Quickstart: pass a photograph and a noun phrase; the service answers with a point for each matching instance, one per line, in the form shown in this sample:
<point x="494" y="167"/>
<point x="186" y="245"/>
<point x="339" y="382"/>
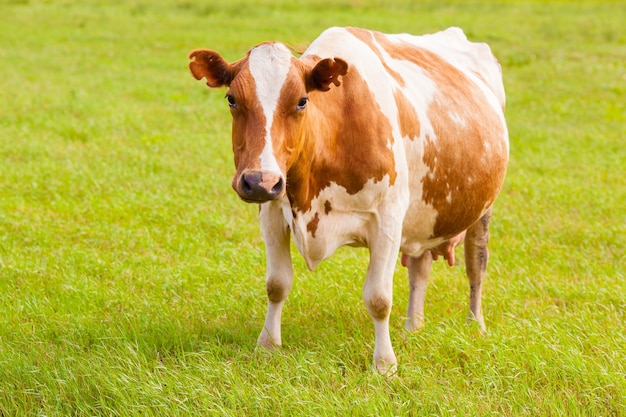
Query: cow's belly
<point x="418" y="231"/>
<point x="418" y="227"/>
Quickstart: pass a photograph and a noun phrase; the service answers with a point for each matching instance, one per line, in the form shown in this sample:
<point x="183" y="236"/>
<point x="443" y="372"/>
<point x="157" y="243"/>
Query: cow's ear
<point x="325" y="72"/>
<point x="210" y="65"/>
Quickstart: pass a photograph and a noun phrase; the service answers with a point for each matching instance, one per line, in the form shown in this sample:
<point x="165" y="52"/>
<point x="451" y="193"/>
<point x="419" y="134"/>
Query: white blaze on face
<point x="269" y="66"/>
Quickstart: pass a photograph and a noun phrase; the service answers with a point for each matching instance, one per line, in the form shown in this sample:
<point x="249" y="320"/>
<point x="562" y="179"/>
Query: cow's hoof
<point x="385" y="368"/>
<point x="413" y="325"/>
<point x="480" y="323"/>
<point x="265" y="341"/>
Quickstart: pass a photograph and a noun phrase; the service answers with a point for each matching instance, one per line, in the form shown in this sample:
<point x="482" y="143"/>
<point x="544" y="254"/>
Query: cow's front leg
<point x="378" y="294"/>
<point x="279" y="275"/>
<point x="419" y="271"/>
<point x="476" y="258"/>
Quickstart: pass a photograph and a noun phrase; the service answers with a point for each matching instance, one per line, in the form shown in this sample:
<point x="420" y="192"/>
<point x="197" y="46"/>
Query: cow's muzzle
<point x="259" y="187"/>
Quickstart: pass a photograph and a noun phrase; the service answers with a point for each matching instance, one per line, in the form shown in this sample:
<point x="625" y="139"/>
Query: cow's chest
<point x="337" y="218"/>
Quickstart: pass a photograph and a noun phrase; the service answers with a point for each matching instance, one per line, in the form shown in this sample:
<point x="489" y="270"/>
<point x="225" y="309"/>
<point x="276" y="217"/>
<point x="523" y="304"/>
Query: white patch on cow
<point x="269" y="66"/>
<point x="351" y="220"/>
<point x="454" y="117"/>
<point x="487" y="146"/>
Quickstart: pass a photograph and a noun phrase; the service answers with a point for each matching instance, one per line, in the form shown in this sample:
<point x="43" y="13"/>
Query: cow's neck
<point x="313" y="164"/>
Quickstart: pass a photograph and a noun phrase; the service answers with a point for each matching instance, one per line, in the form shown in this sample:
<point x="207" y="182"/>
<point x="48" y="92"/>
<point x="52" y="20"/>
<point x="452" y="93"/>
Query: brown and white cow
<point x="393" y="142"/>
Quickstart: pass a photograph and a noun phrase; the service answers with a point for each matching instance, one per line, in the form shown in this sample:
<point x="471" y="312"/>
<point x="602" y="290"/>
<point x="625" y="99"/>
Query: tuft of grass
<point x="132" y="278"/>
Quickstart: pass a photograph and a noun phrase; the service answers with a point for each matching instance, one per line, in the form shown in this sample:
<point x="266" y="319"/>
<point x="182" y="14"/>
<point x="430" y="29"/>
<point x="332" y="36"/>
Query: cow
<point x="393" y="142"/>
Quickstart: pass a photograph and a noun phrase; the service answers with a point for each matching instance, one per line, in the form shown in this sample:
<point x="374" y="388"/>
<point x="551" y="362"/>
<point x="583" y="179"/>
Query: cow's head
<point x="268" y="97"/>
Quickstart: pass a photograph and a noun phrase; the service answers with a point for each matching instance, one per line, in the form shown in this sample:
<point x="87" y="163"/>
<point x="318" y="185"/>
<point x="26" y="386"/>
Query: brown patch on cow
<point x="311" y="226"/>
<point x="327" y="207"/>
<point x="346" y="142"/>
<point x="379" y="307"/>
<point x="276" y="291"/>
<point x="407" y="116"/>
<point x="395" y="75"/>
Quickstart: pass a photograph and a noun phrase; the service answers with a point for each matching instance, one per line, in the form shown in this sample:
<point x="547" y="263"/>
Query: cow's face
<point x="268" y="100"/>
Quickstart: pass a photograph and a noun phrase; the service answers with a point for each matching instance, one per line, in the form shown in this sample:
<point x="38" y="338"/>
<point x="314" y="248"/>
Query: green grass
<point x="132" y="277"/>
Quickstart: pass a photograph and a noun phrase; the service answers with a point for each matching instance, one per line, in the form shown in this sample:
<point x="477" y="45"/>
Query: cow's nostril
<point x="245" y="185"/>
<point x="278" y="187"/>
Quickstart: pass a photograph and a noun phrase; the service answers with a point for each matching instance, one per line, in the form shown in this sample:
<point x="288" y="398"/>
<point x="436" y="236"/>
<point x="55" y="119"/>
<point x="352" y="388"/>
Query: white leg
<point x="279" y="276"/>
<point x="476" y="258"/>
<point x="419" y="270"/>
<point x="378" y="294"/>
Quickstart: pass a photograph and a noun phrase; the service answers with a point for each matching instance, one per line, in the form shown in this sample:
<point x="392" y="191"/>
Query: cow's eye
<point x="302" y="103"/>
<point x="231" y="100"/>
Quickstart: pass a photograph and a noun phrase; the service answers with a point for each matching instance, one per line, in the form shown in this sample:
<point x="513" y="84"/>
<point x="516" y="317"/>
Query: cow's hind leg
<point x="476" y="258"/>
<point x="419" y="271"/>
<point x="279" y="276"/>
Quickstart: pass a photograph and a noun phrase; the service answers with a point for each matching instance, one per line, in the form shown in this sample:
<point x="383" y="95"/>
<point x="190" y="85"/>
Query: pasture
<point x="132" y="276"/>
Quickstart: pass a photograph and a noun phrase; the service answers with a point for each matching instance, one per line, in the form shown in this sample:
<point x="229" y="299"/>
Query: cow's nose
<point x="259" y="186"/>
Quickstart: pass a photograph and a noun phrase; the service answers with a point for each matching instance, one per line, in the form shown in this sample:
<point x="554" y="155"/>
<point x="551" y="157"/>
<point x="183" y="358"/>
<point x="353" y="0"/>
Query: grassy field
<point x="132" y="277"/>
